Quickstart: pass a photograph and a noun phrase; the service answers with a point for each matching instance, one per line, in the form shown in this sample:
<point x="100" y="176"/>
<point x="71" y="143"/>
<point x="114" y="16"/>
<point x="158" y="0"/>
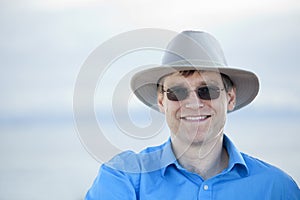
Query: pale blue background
<point x="44" y="43"/>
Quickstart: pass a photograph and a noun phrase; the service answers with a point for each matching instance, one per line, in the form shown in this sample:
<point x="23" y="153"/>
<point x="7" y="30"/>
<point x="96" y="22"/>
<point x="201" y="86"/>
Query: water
<point x="47" y="161"/>
<point x="42" y="162"/>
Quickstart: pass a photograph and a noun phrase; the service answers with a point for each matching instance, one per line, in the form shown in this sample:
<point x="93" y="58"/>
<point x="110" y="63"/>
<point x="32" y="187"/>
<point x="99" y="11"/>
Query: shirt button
<point x="205" y="187"/>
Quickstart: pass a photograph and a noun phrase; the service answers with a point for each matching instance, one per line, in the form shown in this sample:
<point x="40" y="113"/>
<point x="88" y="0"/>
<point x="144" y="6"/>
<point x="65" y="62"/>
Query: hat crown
<point x="194" y="46"/>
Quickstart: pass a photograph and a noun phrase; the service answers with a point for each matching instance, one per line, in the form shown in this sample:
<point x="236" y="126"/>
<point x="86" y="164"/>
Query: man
<point x="195" y="90"/>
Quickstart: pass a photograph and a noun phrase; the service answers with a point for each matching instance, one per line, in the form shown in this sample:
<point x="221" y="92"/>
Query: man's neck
<point x="207" y="159"/>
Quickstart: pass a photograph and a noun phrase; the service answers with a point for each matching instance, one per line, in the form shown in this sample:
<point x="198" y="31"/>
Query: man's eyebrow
<point x="207" y="82"/>
<point x="176" y="85"/>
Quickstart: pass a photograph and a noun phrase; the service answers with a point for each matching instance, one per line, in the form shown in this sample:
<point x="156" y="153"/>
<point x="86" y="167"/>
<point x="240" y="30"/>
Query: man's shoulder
<point x="264" y="170"/>
<point x="131" y="162"/>
<point x="257" y="164"/>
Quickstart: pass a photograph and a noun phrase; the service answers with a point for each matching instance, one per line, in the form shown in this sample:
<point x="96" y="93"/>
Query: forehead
<point x="197" y="78"/>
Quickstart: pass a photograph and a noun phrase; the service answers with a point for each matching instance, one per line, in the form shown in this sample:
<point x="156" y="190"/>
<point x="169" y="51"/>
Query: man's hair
<point x="228" y="84"/>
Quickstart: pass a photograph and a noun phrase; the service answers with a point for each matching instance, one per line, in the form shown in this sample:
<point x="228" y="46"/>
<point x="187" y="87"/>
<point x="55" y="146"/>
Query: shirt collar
<point x="235" y="158"/>
<point x="167" y="156"/>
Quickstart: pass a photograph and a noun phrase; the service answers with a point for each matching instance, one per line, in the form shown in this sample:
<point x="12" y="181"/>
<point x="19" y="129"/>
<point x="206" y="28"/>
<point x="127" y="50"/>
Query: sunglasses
<point x="179" y="93"/>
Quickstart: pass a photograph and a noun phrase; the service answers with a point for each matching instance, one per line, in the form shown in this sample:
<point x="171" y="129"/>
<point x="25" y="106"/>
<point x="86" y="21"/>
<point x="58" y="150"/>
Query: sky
<point x="44" y="45"/>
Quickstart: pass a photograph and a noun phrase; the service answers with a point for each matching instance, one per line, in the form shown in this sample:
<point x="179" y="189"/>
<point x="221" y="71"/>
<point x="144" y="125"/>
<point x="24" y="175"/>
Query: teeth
<point x="194" y="118"/>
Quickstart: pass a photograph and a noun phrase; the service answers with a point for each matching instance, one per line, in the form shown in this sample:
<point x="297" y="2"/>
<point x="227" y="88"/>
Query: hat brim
<point x="144" y="83"/>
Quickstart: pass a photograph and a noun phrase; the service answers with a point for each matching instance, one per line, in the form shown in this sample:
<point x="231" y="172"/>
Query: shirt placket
<point x="205" y="190"/>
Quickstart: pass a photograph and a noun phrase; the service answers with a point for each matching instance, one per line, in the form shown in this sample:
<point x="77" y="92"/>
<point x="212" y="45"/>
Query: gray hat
<point x="193" y="50"/>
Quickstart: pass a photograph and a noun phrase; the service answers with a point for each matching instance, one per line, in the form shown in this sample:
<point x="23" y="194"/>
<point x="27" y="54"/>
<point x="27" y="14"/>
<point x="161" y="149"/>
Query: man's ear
<point x="231" y="95"/>
<point x="160" y="102"/>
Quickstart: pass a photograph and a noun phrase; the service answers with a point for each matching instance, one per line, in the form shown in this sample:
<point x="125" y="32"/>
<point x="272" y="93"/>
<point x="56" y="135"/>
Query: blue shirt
<point x="155" y="174"/>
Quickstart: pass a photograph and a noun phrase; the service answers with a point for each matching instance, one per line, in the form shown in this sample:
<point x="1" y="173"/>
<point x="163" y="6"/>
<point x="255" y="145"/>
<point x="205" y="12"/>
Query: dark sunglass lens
<point x="177" y="94"/>
<point x="208" y="92"/>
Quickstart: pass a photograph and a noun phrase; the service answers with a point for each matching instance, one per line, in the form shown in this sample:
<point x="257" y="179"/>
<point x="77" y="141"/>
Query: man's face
<point x="194" y="120"/>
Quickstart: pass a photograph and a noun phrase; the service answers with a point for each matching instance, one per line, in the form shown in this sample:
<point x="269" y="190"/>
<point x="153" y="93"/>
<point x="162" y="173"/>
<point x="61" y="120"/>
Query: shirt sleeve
<point x="281" y="187"/>
<point x="288" y="190"/>
<point x="111" y="184"/>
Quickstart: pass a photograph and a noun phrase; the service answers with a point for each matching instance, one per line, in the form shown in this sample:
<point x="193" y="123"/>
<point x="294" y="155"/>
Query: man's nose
<point x="193" y="101"/>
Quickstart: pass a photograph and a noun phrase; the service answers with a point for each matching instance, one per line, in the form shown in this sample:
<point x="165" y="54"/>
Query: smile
<point x="196" y="118"/>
